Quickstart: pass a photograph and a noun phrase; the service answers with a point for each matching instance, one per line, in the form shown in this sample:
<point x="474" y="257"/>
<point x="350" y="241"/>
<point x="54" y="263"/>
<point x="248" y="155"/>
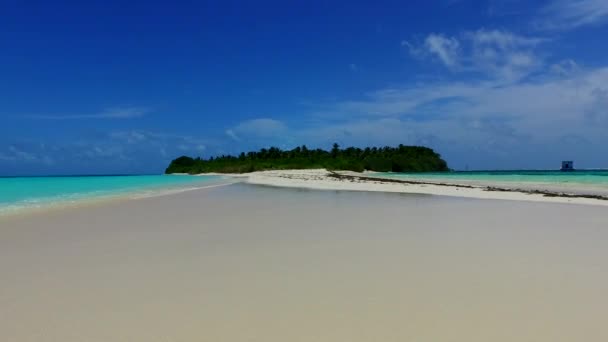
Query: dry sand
<point x="251" y="263"/>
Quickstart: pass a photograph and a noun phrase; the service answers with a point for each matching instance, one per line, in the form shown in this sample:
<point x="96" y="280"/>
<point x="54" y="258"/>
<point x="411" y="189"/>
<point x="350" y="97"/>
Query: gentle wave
<point x="25" y="193"/>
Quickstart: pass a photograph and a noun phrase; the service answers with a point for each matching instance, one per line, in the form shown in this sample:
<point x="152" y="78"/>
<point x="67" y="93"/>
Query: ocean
<point x="18" y="193"/>
<point x="583" y="177"/>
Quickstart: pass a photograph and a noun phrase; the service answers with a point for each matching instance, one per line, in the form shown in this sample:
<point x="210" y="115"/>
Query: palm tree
<point x="335" y="150"/>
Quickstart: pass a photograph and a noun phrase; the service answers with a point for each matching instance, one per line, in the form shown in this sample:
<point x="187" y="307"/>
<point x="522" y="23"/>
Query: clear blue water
<point x="589" y="177"/>
<point x="23" y="192"/>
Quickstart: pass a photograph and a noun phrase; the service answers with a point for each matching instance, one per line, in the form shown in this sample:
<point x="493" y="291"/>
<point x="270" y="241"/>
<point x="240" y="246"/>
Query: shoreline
<point x="321" y="179"/>
<point x="52" y="206"/>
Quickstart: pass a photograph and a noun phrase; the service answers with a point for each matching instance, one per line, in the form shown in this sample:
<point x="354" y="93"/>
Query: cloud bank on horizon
<point x="490" y="89"/>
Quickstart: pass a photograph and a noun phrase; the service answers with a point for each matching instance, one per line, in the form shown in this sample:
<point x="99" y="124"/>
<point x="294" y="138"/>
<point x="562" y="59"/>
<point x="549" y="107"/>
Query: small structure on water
<point x="567" y="165"/>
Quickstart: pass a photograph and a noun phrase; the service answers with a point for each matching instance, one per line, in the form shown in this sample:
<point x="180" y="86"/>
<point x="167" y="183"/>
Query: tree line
<point x="382" y="159"/>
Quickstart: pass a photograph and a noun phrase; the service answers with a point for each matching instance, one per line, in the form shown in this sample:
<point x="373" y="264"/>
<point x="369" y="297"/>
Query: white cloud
<point x="142" y="139"/>
<point x="571" y="14"/>
<point x="123" y="113"/>
<point x="117" y="151"/>
<point x="6" y="157"/>
<point x="565" y="68"/>
<point x="496" y="54"/>
<point x="231" y="134"/>
<point x="256" y="128"/>
<point x="163" y="152"/>
<point x="23" y="155"/>
<point x="109" y="113"/>
<point x="190" y="147"/>
<point x="504" y="55"/>
<point x="445" y="49"/>
<point x="539" y="117"/>
<point x="502" y="39"/>
<point x="130" y="137"/>
<point x="105" y="151"/>
<point x="597" y="111"/>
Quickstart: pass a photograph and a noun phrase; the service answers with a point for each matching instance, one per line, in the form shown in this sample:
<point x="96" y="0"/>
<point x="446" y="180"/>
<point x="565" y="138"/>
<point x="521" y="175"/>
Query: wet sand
<point x="254" y="263"/>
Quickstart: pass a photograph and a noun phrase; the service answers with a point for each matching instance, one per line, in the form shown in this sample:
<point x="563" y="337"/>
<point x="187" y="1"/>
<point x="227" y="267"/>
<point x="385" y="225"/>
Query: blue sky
<point x="124" y="87"/>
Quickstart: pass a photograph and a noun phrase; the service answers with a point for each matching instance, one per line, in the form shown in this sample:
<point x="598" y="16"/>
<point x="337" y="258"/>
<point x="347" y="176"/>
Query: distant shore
<point x="370" y="181"/>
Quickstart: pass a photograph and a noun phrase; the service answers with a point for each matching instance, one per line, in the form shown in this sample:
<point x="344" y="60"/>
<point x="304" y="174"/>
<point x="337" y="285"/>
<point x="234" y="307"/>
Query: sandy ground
<point x="254" y="263"/>
<point x="321" y="179"/>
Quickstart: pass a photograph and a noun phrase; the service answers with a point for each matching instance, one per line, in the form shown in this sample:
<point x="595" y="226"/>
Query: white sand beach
<point x="323" y="180"/>
<point x="255" y="263"/>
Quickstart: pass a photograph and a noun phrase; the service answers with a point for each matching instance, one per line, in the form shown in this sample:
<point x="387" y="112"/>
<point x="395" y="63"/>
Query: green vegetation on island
<point x="383" y="159"/>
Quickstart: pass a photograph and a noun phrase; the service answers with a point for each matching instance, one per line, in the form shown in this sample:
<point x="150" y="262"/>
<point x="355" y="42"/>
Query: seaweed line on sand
<point x="545" y="193"/>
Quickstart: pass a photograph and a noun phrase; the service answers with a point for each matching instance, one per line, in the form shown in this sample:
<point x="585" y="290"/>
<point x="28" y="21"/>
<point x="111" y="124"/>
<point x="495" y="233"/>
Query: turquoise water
<point x="23" y="192"/>
<point x="589" y="177"/>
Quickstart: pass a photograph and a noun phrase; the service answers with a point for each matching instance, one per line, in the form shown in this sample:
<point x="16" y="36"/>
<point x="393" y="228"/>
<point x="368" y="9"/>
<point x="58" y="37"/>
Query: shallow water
<point x="17" y="193"/>
<point x="248" y="263"/>
<point x="587" y="177"/>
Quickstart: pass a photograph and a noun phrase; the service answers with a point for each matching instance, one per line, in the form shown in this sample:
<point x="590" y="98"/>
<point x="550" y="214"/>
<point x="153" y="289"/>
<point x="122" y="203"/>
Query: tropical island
<point x="381" y="159"/>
